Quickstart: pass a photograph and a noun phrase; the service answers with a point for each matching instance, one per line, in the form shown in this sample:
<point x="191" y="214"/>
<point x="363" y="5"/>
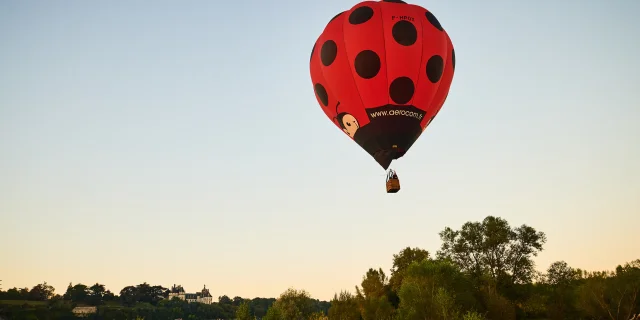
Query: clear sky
<point x="181" y="142"/>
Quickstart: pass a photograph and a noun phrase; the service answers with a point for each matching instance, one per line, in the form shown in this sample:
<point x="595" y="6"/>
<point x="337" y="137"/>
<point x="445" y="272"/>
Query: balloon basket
<point x="393" y="186"/>
<point x="393" y="183"/>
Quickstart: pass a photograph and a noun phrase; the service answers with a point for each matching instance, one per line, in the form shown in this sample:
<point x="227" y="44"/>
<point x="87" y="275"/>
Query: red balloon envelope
<point x="381" y="71"/>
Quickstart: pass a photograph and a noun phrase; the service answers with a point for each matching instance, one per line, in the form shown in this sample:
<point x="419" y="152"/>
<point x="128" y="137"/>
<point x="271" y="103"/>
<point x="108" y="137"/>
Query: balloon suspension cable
<point x="391" y="174"/>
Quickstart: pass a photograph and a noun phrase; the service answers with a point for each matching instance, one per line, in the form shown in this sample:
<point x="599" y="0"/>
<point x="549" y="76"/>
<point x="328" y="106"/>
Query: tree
<point x="560" y="280"/>
<point x="560" y="273"/>
<point x="96" y="294"/>
<point x="291" y="305"/>
<point x="497" y="306"/>
<point x="274" y="313"/>
<point x="41" y="292"/>
<point x="237" y="301"/>
<point x="109" y="296"/>
<point x="435" y="289"/>
<point x="261" y="305"/>
<point x="373" y="299"/>
<point x="147" y="293"/>
<point x="225" y="300"/>
<point x="373" y="283"/>
<point x="13" y="294"/>
<point x="611" y="295"/>
<point x="402" y="261"/>
<point x="344" y="307"/>
<point x="244" y="311"/>
<point x="129" y="295"/>
<point x="492" y="247"/>
<point x="478" y="274"/>
<point x="78" y="293"/>
<point x="24" y="293"/>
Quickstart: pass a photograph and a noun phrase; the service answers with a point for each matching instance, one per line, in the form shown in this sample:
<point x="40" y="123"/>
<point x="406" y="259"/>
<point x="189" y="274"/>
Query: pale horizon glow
<point x="180" y="142"/>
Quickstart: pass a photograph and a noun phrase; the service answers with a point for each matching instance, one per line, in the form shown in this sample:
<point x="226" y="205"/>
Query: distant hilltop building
<point x="203" y="296"/>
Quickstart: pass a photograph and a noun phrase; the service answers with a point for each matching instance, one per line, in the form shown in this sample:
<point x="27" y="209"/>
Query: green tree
<point x="244" y="311"/>
<point x="78" y="293"/>
<point x="344" y="307"/>
<point x="109" y="296"/>
<point x="13" y="294"/>
<point x="493" y="247"/>
<point x="373" y="298"/>
<point x="237" y="301"/>
<point x="402" y="261"/>
<point x="445" y="304"/>
<point x="96" y="294"/>
<point x="225" y="300"/>
<point x="560" y="273"/>
<point x="611" y="295"/>
<point x="150" y="294"/>
<point x="497" y="306"/>
<point x="435" y="289"/>
<point x="24" y="293"/>
<point x="274" y="313"/>
<point x="129" y="296"/>
<point x="561" y="280"/>
<point x="295" y="304"/>
<point x="259" y="306"/>
<point x="41" y="292"/>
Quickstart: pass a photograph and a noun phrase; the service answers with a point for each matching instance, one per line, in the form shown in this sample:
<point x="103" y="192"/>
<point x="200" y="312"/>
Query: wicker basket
<point x="393" y="185"/>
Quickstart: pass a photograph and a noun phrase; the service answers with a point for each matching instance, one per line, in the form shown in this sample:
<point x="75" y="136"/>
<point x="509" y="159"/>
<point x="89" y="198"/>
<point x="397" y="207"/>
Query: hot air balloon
<point x="381" y="71"/>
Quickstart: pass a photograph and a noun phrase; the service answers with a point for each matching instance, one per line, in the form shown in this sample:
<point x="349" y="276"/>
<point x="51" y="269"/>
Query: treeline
<point x="141" y="301"/>
<point x="483" y="270"/>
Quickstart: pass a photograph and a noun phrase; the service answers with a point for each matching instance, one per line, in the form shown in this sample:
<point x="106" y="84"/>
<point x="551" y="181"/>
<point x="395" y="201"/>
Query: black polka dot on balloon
<point x="401" y="90"/>
<point x="328" y="52"/>
<point x="453" y="58"/>
<point x="367" y="64"/>
<point x="322" y="94"/>
<point x="435" y="66"/>
<point x="361" y="15"/>
<point x="432" y="19"/>
<point x="404" y="32"/>
<point x="394" y="1"/>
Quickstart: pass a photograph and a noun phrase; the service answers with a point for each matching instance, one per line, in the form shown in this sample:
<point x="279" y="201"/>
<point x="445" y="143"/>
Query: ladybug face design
<point x="348" y="123"/>
<point x="382" y="70"/>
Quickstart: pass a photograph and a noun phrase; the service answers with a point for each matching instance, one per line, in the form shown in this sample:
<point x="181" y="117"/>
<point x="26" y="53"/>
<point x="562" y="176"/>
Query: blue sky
<point x="181" y="142"/>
